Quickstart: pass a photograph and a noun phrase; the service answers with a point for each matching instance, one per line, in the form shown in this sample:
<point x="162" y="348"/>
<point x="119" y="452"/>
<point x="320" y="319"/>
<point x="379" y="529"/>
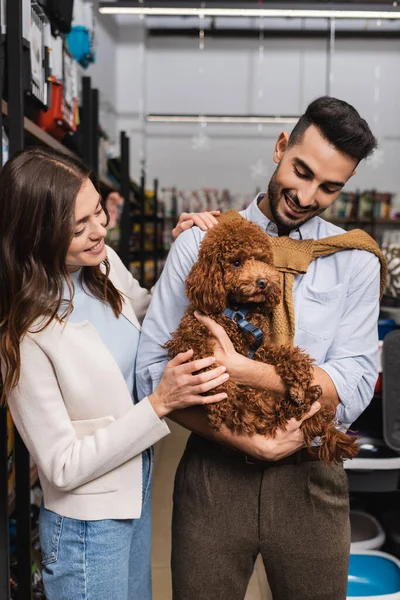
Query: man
<point x="267" y="496"/>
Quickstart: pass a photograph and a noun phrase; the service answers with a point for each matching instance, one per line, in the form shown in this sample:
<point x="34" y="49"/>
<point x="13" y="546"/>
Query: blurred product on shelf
<point x="134" y="268"/>
<point x="173" y="202"/>
<point x="373" y="574"/>
<point x="62" y="115"/>
<point x="176" y="201"/>
<point x="391" y="252"/>
<point x="114" y="204"/>
<point x="81" y="38"/>
<point x="38" y="34"/>
<point x="366" y="532"/>
<point x="80" y="45"/>
<point x="113" y="237"/>
<point x="390" y="237"/>
<point x="368" y="204"/>
<point x="149" y="202"/>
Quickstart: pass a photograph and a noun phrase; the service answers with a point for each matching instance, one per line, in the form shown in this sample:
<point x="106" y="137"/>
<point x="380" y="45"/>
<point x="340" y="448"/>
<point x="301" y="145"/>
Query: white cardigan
<point x="74" y="412"/>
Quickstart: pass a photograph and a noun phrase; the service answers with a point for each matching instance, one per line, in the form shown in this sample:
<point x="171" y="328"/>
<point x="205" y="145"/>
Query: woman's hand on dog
<point x="286" y="441"/>
<point x="203" y="220"/>
<point x="179" y="388"/>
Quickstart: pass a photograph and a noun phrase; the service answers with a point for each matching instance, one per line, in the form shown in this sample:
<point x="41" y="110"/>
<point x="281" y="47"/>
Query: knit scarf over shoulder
<point x="292" y="257"/>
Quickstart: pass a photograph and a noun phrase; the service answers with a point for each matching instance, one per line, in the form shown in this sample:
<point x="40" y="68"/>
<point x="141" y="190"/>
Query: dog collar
<point x="239" y="317"/>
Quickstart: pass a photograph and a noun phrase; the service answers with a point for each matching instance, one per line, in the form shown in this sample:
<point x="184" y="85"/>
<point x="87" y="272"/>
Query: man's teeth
<point x="293" y="206"/>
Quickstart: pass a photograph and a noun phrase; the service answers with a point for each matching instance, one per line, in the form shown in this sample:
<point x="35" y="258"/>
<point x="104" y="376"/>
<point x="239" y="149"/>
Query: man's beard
<point x="285" y="224"/>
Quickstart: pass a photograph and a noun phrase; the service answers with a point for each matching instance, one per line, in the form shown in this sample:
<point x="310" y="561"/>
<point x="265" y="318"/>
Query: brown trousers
<point x="227" y="511"/>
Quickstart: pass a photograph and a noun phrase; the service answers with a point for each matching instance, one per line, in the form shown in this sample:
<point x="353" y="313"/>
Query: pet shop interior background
<point x="49" y="61"/>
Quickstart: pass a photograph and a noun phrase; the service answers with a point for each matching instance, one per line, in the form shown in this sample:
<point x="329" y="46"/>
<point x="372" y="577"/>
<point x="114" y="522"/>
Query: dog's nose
<point x="261" y="283"/>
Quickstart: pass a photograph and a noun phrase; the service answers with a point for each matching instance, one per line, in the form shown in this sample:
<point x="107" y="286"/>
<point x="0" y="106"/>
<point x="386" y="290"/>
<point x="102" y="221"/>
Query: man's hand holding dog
<point x="236" y="364"/>
<point x="287" y="440"/>
<point x="256" y="374"/>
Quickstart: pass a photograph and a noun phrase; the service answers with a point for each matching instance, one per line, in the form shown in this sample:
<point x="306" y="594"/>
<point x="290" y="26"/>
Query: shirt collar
<point x="253" y="213"/>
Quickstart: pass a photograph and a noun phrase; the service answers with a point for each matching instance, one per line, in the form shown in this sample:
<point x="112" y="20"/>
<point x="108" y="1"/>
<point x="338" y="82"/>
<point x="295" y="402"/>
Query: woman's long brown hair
<point x="38" y="188"/>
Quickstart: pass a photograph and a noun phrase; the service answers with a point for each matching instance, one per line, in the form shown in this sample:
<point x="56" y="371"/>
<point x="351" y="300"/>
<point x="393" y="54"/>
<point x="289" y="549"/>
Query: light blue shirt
<point x="117" y="333"/>
<point x="336" y="309"/>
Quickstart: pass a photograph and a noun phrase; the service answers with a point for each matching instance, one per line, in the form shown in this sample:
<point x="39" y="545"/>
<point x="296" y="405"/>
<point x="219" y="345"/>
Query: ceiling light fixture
<point x="175" y="11"/>
<point x="227" y="119"/>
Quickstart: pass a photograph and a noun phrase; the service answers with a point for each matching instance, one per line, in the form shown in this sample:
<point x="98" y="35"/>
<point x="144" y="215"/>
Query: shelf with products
<point x="144" y="237"/>
<point x="143" y="269"/>
<point x="370" y="210"/>
<point x="38" y="136"/>
<point x="364" y="207"/>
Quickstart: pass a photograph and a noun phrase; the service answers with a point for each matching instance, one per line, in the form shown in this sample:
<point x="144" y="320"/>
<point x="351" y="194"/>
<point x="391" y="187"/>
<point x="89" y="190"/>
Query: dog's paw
<point x="273" y="296"/>
<point x="314" y="392"/>
<point x="296" y="394"/>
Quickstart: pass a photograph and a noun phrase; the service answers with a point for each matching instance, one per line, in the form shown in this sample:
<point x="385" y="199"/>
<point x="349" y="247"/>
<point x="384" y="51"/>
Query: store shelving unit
<point x="144" y="214"/>
<point x="35" y="135"/>
<point x="23" y="132"/>
<point x="15" y="116"/>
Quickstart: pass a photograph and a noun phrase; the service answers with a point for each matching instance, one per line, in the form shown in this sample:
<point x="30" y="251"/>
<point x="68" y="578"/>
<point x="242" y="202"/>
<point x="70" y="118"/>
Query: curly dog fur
<point x="235" y="266"/>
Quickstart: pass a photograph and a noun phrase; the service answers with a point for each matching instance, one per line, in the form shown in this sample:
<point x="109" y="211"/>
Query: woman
<point x="69" y="330"/>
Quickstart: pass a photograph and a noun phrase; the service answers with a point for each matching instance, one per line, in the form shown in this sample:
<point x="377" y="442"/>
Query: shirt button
<point x="272" y="227"/>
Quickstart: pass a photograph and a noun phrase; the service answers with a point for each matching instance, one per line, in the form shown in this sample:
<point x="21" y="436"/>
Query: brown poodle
<point x="235" y="271"/>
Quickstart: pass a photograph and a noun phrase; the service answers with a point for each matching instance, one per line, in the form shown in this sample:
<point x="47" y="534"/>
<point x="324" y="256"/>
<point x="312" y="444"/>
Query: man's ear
<point x="281" y="146"/>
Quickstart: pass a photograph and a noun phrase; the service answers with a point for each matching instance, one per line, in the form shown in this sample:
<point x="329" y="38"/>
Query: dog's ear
<point x="205" y="286"/>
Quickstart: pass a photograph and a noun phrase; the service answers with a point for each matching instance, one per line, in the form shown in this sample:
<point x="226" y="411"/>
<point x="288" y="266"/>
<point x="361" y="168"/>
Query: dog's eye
<point x="237" y="263"/>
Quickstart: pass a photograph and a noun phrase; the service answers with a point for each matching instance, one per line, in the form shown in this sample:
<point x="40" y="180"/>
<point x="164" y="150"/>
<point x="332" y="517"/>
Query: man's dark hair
<point x="340" y="124"/>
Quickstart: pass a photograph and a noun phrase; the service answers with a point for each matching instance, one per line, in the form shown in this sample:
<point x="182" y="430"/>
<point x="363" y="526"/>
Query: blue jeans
<point x="98" y="560"/>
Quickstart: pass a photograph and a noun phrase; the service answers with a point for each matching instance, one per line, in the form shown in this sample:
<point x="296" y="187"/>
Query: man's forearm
<point x="263" y="376"/>
<point x="195" y="419"/>
<point x="258" y="375"/>
<point x="285" y="441"/>
<point x="329" y="394"/>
